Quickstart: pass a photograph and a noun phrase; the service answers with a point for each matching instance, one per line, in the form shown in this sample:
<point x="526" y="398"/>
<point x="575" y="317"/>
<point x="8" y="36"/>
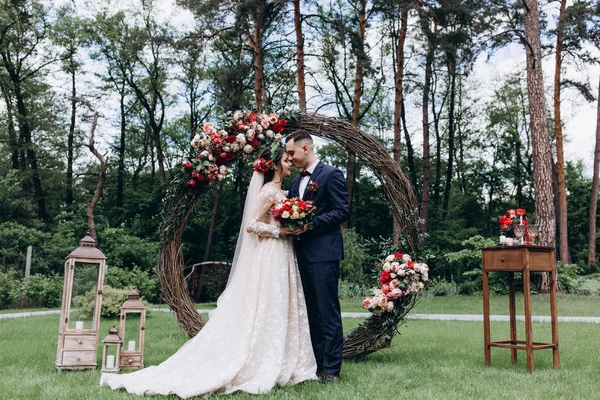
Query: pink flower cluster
<point x="399" y="277"/>
<point x="215" y="148"/>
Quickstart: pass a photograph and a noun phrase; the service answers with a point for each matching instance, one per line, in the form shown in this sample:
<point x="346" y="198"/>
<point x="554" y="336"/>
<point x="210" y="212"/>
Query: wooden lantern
<point x="133" y="327"/>
<point x="111" y="351"/>
<point x="78" y="329"/>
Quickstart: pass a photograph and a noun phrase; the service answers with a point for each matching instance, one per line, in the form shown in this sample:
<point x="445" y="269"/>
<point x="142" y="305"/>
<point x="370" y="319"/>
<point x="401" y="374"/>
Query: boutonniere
<point x="312" y="188"/>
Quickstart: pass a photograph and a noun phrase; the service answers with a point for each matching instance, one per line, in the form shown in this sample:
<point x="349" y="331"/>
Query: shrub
<point x="146" y="283"/>
<point x="14" y="239"/>
<point x="588" y="285"/>
<point x="112" y="300"/>
<point x="355" y="257"/>
<point x="44" y="291"/>
<point x="349" y="290"/>
<point x="568" y="277"/>
<point x="122" y="250"/>
<point x="440" y="287"/>
<point x="9" y="289"/>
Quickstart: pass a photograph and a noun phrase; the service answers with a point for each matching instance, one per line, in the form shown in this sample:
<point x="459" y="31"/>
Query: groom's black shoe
<point x="329" y="378"/>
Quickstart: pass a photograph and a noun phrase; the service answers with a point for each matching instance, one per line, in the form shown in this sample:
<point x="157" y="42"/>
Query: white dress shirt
<point x="305" y="179"/>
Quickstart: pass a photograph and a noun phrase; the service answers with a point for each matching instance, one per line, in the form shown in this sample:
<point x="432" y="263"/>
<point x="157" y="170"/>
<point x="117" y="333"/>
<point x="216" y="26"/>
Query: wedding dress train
<point x="257" y="337"/>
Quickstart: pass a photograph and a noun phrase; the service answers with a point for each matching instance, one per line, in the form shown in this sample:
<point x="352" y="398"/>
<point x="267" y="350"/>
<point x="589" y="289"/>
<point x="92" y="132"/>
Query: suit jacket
<point x="324" y="242"/>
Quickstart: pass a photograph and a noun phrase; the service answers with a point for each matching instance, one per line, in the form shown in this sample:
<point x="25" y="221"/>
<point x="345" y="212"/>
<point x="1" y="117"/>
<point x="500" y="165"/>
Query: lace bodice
<point x="261" y="221"/>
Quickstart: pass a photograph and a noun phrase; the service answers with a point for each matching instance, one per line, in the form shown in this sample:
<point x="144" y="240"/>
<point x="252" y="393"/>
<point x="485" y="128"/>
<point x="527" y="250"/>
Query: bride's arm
<point x="265" y="201"/>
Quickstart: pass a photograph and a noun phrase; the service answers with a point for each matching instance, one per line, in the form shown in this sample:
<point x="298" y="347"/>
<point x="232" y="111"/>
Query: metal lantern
<point x="78" y="329"/>
<point x="133" y="327"/>
<point x="111" y="351"/>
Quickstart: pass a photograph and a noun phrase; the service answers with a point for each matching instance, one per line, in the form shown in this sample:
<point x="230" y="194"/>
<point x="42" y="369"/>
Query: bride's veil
<point x="247" y="242"/>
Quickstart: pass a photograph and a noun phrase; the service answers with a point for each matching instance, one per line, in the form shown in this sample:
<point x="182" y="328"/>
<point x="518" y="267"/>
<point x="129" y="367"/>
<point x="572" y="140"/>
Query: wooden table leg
<point x="486" y="318"/>
<point x="554" y="318"/>
<point x="513" y="315"/>
<point x="528" y="330"/>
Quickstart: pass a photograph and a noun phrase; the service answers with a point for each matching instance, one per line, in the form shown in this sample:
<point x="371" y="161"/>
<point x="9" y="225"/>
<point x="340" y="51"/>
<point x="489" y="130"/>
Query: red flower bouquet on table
<point x="294" y="213"/>
<point x="517" y="220"/>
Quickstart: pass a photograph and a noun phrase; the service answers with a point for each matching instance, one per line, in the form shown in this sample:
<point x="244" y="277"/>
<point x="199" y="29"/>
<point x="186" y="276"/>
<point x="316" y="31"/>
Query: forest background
<point x="441" y="84"/>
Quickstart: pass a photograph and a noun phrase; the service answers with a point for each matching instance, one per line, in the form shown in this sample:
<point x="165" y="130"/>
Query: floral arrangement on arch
<point x="400" y="277"/>
<point x="215" y="148"/>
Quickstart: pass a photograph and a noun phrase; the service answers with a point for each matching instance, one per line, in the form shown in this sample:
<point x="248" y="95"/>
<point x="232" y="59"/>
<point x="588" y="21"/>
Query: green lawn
<point x="22" y="310"/>
<point x="430" y="359"/>
<point x="568" y="305"/>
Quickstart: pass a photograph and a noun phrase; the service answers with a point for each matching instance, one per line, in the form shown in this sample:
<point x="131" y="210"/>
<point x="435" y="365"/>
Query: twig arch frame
<point x="179" y="203"/>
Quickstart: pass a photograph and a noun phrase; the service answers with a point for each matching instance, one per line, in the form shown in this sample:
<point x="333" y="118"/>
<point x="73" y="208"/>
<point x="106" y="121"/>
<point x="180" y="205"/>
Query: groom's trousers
<point x="320" y="285"/>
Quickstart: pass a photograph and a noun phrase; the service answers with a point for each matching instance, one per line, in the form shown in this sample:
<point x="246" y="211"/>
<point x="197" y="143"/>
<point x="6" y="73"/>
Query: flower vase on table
<point x="515" y="219"/>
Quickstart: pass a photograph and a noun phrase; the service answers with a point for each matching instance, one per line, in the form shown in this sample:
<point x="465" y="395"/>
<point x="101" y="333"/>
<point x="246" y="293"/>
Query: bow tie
<point x="304" y="173"/>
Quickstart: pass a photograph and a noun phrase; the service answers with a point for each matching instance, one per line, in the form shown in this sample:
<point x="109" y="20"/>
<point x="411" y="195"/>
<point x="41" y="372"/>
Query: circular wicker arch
<point x="179" y="204"/>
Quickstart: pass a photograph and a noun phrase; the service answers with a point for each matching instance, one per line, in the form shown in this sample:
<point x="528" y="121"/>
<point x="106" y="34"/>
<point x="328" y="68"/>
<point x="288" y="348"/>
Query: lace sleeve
<point x="265" y="201"/>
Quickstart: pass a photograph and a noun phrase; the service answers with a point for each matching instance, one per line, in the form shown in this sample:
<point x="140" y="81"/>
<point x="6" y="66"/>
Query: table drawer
<point x="503" y="260"/>
<point x="541" y="261"/>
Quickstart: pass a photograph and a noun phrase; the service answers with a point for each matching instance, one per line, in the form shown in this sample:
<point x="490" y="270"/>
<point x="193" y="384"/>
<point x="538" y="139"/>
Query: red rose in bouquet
<point x="385" y="277"/>
<point x="279" y="127"/>
<point x="400" y="279"/>
<point x="294" y="213"/>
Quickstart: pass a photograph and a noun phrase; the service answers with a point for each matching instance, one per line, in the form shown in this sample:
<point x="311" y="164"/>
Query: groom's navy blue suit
<point x="319" y="252"/>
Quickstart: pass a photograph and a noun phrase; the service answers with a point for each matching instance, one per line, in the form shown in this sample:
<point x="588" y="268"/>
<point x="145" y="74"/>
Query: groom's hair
<point x="301" y="136"/>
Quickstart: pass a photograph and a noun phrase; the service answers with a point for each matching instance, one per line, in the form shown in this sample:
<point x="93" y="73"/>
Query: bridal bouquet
<point x="294" y="213"/>
<point x="400" y="278"/>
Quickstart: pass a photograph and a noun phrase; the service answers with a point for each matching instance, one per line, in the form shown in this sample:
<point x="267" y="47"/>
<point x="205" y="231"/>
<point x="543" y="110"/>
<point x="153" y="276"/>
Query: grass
<point x="430" y="359"/>
<point x="568" y="305"/>
<point x="23" y="310"/>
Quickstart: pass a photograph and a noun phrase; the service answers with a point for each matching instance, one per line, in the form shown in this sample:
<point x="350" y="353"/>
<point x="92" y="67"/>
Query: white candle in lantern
<point x="131" y="345"/>
<point x="78" y="325"/>
<point x="110" y="361"/>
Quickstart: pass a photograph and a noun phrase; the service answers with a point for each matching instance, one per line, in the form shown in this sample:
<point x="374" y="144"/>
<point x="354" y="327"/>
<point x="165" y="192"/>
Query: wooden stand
<point x="524" y="259"/>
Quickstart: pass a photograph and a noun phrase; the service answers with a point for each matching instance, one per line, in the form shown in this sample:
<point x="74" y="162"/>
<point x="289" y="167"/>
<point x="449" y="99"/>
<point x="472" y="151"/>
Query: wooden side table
<point x="524" y="259"/>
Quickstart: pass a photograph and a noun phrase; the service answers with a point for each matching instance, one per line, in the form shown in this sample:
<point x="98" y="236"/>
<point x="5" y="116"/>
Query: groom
<point x="319" y="250"/>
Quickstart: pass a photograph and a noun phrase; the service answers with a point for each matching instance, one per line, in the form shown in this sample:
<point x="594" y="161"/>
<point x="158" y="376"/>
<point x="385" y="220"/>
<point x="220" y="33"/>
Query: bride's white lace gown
<point x="257" y="337"/>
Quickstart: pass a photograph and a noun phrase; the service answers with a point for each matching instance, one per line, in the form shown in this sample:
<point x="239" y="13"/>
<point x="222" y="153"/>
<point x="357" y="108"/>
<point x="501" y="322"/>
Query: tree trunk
<point x="358" y="83"/>
<point x="160" y="157"/>
<point x="255" y="40"/>
<point x="560" y="159"/>
<point x="25" y="132"/>
<point x="426" y="159"/>
<point x="299" y="56"/>
<point x="437" y="181"/>
<point x="399" y="102"/>
<point x="12" y="133"/>
<point x="540" y="141"/>
<point x="70" y="143"/>
<point x="121" y="165"/>
<point x="594" y="196"/>
<point x="213" y="221"/>
<point x="451" y="128"/>
<point x="101" y="174"/>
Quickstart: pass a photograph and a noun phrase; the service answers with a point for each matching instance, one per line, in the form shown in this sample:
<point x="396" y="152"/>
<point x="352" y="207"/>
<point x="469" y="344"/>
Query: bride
<point x="258" y="336"/>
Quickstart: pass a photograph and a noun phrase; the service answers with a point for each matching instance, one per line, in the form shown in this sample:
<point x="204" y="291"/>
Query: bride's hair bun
<point x="268" y="160"/>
